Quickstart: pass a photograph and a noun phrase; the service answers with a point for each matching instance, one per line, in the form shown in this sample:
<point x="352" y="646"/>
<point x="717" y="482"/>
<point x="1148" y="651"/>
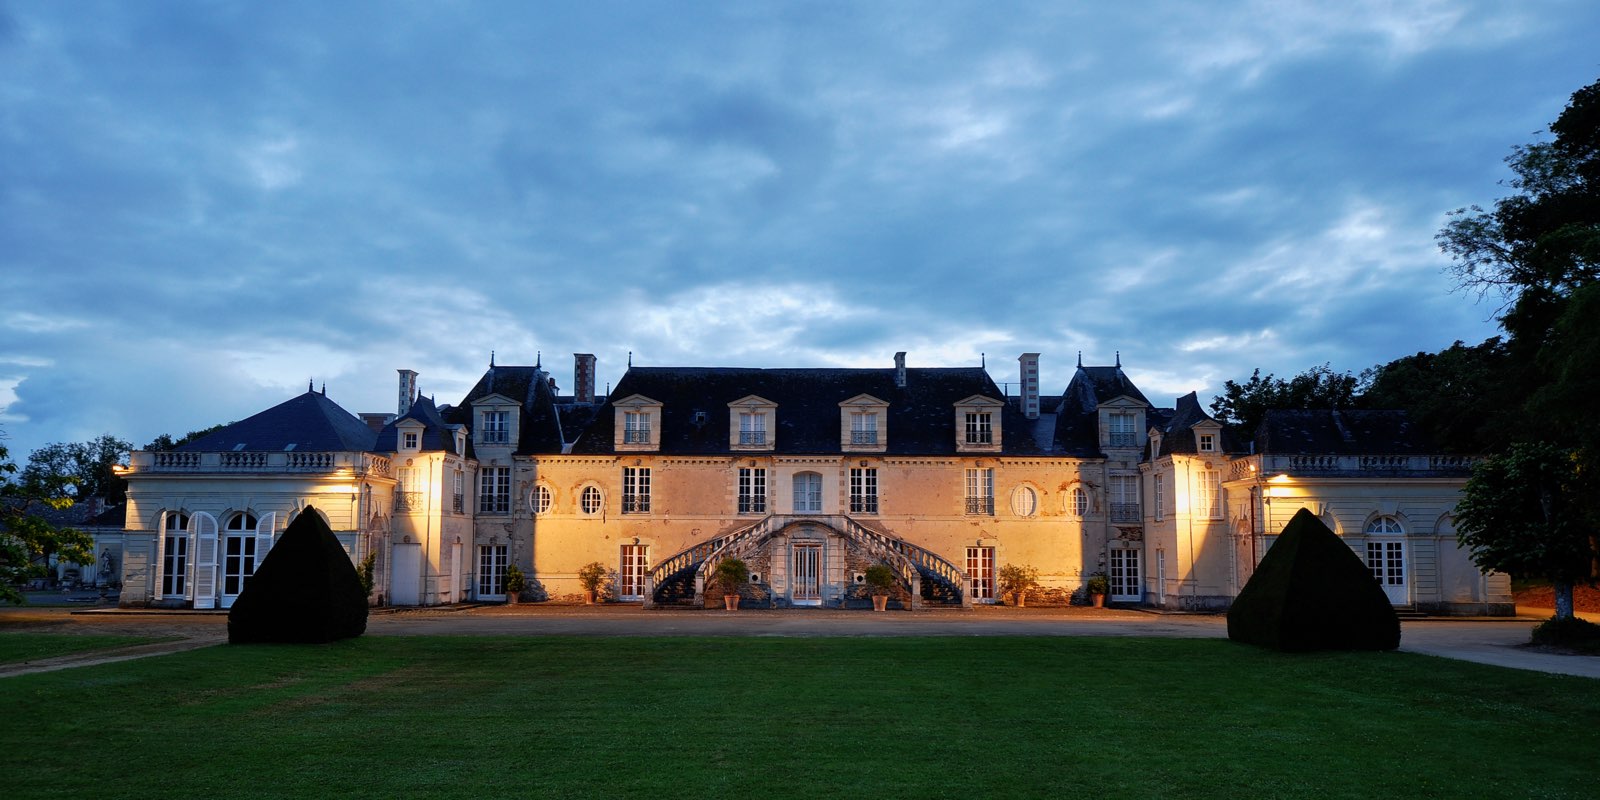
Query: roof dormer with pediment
<point x="752" y="424"/>
<point x="864" y="424"/>
<point x="636" y="424"/>
<point x="978" y="424"/>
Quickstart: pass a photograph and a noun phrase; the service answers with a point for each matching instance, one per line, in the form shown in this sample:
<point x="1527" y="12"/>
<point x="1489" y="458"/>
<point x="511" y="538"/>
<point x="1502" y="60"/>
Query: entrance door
<point x="1125" y="576"/>
<point x="807" y="574"/>
<point x="635" y="563"/>
<point x="980" y="573"/>
<point x="492" y="560"/>
<point x="1387" y="559"/>
<point x="405" y="579"/>
<point x="238" y="563"/>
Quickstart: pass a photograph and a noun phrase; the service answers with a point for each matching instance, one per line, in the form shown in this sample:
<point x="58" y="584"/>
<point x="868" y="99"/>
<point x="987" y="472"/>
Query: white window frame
<point x="808" y="493"/>
<point x="635" y="490"/>
<point x="496" y="428"/>
<point x="863" y="490"/>
<point x="636" y="427"/>
<point x="1208" y="494"/>
<point x="1158" y="499"/>
<point x="1124" y="498"/>
<point x="1024" y="501"/>
<point x="635" y="565"/>
<point x="981" y="574"/>
<point x="753" y="428"/>
<point x="494" y="490"/>
<point x="1122" y="430"/>
<point x="175" y="555"/>
<point x="240" y="530"/>
<point x="752" y="490"/>
<point x="1078" y="502"/>
<point x="1208" y="443"/>
<point x="493" y="561"/>
<point x="410" y="440"/>
<point x="864" y="427"/>
<point x="591" y="501"/>
<point x="980" y="491"/>
<point x="980" y="427"/>
<point x="542" y="499"/>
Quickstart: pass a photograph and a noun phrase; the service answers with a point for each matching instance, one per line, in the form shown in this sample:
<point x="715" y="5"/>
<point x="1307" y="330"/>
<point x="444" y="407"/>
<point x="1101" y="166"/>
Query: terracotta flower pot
<point x="511" y="598"/>
<point x="731" y="602"/>
<point x="1022" y="600"/>
<point x="1099" y="600"/>
<point x="880" y="602"/>
<point x="588" y="597"/>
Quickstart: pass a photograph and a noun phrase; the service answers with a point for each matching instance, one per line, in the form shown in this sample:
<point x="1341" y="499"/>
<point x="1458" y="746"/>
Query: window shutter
<point x="161" y="555"/>
<point x="264" y="529"/>
<point x="203" y="528"/>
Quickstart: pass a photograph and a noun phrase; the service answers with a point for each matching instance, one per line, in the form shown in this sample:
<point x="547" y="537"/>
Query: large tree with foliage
<point x="1523" y="512"/>
<point x="1245" y="405"/>
<point x="1460" y="396"/>
<point x="86" y="468"/>
<point x="165" y="441"/>
<point x="27" y="536"/>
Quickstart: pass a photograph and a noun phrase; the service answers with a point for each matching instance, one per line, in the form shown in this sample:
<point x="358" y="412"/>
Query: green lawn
<point x="816" y="718"/>
<point x="16" y="647"/>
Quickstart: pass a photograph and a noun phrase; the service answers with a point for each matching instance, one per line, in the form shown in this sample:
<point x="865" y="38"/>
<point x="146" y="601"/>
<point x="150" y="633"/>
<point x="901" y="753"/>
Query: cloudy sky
<point x="205" y="204"/>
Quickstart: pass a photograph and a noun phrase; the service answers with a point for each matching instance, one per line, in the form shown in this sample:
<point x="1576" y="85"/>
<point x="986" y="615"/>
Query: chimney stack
<point x="583" y="377"/>
<point x="1030" y="384"/>
<point x="900" y="369"/>
<point x="408" y="390"/>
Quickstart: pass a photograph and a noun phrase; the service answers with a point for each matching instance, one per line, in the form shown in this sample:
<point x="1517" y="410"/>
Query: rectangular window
<point x="1159" y="501"/>
<point x="752" y="427"/>
<point x="980" y="573"/>
<point x="176" y="567"/>
<point x="410" y="440"/>
<point x="635" y="490"/>
<point x="980" y="427"/>
<point x="1208" y="442"/>
<point x="864" y="428"/>
<point x="863" y="490"/>
<point x="495" y="429"/>
<point x="635" y="427"/>
<point x="752" y="490"/>
<point x="1208" y="494"/>
<point x="1124" y="498"/>
<point x="494" y="490"/>
<point x="980" y="491"/>
<point x="635" y="565"/>
<point x="458" y="503"/>
<point x="1122" y="431"/>
<point x="492" y="569"/>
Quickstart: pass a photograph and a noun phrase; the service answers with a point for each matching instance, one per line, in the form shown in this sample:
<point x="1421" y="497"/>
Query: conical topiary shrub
<point x="1311" y="592"/>
<point x="306" y="590"/>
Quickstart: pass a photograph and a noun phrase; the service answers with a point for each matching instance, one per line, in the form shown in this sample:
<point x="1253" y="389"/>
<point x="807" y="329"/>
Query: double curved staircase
<point x="680" y="578"/>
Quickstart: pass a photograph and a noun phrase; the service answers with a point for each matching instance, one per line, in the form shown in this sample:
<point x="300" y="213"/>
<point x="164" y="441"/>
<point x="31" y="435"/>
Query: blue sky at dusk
<point x="205" y="204"/>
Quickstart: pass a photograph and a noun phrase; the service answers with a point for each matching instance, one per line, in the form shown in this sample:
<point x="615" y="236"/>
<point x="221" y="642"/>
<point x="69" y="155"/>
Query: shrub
<point x="881" y="579"/>
<point x="1018" y="579"/>
<point x="1572" y="633"/>
<point x="1311" y="592"/>
<point x="305" y="590"/>
<point x="1098" y="584"/>
<point x="591" y="576"/>
<point x="515" y="581"/>
<point x="365" y="572"/>
<point x="730" y="575"/>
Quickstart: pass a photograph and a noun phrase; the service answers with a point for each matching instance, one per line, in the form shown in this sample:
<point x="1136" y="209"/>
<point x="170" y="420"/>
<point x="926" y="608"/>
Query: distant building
<point x="809" y="475"/>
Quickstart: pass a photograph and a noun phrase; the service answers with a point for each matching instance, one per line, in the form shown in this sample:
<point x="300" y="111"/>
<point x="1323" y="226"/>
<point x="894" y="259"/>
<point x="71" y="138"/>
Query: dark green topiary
<point x="1311" y="592"/>
<point x="306" y="590"/>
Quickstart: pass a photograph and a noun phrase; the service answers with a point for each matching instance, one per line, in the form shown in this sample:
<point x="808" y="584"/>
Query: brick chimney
<point x="1030" y="384"/>
<point x="408" y="390"/>
<point x="900" y="369"/>
<point x="583" y="377"/>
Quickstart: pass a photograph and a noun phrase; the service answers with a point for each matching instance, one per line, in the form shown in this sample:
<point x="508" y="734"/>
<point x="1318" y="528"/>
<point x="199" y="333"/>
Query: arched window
<point x="1385" y="525"/>
<point x="175" y="554"/>
<point x="541" y="499"/>
<point x="1078" y="502"/>
<point x="807" y="493"/>
<point x="239" y="552"/>
<point x="1024" y="501"/>
<point x="592" y="500"/>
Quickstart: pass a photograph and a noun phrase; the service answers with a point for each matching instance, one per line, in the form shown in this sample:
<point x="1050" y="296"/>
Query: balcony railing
<point x="260" y="461"/>
<point x="1124" y="439"/>
<point x="752" y="437"/>
<point x="636" y="436"/>
<point x="980" y="505"/>
<point x="752" y="505"/>
<point x="863" y="437"/>
<point x="980" y="437"/>
<point x="1125" y="512"/>
<point x="494" y="437"/>
<point x="458" y="504"/>
<point x="863" y="504"/>
<point x="409" y="501"/>
<point x="635" y="504"/>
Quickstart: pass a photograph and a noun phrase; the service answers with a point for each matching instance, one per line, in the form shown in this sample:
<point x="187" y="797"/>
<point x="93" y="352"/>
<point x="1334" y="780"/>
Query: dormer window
<point x="863" y="424"/>
<point x="1208" y="443"/>
<point x="409" y="440"/>
<point x="1122" y="431"/>
<point x="638" y="424"/>
<point x="751" y="423"/>
<point x="864" y="428"/>
<point x="978" y="425"/>
<point x="496" y="429"/>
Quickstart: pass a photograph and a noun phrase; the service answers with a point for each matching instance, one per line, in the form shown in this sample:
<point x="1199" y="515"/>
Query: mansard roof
<point x="539" y="423"/>
<point x="436" y="434"/>
<point x="1091" y="386"/>
<point x="307" y="423"/>
<point x="1340" y="432"/>
<point x="920" y="417"/>
<point x="1177" y="428"/>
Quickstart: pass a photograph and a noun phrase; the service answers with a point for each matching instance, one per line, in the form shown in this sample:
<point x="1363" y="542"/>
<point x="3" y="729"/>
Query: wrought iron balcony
<point x="864" y="504"/>
<point x="752" y="437"/>
<point x="410" y="501"/>
<point x="980" y="505"/>
<point x="636" y="436"/>
<point x="635" y="504"/>
<point x="863" y="437"/>
<point x="1125" y="512"/>
<point x="458" y="504"/>
<point x="1124" y="439"/>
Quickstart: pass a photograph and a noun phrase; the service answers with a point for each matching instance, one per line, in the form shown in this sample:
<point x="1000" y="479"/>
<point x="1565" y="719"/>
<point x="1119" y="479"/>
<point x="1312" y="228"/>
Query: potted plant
<point x="1099" y="587"/>
<point x="1017" y="580"/>
<point x="881" y="584"/>
<point x="730" y="576"/>
<point x="515" y="583"/>
<point x="591" y="577"/>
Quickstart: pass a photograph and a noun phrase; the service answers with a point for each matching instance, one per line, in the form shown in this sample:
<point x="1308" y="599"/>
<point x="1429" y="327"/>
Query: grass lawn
<point x="735" y="717"/>
<point x="16" y="647"/>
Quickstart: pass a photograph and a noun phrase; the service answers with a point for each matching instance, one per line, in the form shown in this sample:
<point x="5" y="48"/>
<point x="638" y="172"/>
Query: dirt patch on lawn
<point x="1585" y="599"/>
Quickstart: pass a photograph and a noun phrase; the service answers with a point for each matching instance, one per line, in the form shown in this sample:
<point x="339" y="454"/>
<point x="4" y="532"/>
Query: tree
<point x="87" y="467"/>
<point x="1460" y="396"/>
<point x="1244" y="406"/>
<point x="165" y="442"/>
<point x="27" y="537"/>
<point x="1523" y="513"/>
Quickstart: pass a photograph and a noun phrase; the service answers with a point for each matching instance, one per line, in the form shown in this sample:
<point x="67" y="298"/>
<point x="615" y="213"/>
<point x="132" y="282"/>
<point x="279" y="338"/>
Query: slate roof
<point x="1077" y="428"/>
<point x="1340" y="432"/>
<point x="1177" y="428"/>
<point x="436" y="434"/>
<point x="310" y="422"/>
<point x="539" y="424"/>
<point x="920" y="418"/>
